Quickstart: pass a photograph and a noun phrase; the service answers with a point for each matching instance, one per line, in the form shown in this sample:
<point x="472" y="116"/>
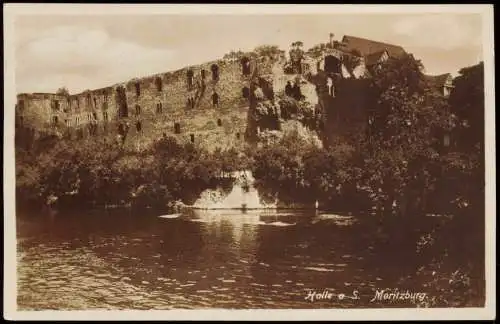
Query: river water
<point x="205" y="259"/>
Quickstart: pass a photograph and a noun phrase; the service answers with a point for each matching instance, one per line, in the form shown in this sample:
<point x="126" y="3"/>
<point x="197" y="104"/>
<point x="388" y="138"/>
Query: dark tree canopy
<point x="63" y="91"/>
<point x="467" y="102"/>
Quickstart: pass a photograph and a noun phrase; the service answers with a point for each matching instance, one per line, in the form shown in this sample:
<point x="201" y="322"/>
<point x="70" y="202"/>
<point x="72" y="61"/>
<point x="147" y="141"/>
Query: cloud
<point x="443" y="31"/>
<point x="85" y="52"/>
<point x="72" y="54"/>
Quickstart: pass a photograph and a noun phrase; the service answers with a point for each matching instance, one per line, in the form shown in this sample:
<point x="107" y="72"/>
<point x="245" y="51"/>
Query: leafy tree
<point x="268" y="50"/>
<point x="403" y="147"/>
<point x="467" y="102"/>
<point x="62" y="91"/>
<point x="317" y="50"/>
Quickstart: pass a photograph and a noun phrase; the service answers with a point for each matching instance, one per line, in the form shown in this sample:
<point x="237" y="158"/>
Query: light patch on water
<point x="257" y="284"/>
<point x="320" y="269"/>
<point x="228" y="280"/>
<point x="242" y="195"/>
<point x="170" y="216"/>
<point x="278" y="224"/>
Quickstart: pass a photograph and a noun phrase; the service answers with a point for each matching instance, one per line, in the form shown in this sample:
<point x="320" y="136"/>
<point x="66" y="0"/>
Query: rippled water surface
<point x="133" y="260"/>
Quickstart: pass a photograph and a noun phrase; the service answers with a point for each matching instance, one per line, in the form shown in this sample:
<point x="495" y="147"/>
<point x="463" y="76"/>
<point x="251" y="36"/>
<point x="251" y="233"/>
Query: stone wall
<point x="158" y="102"/>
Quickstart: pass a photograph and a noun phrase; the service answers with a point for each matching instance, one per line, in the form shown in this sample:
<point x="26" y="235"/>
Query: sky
<point x="83" y="52"/>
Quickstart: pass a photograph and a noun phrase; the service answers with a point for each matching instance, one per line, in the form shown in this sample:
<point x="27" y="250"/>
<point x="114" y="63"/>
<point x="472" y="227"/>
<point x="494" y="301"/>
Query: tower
<point x="331" y="39"/>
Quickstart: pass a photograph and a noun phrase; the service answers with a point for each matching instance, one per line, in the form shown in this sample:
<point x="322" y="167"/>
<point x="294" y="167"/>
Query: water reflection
<point x="229" y="259"/>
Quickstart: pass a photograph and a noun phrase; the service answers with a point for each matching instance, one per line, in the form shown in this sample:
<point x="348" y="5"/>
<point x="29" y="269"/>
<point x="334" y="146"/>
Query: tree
<point x="62" y="91"/>
<point x="296" y="55"/>
<point x="403" y="149"/>
<point x="317" y="50"/>
<point x="268" y="50"/>
<point x="467" y="102"/>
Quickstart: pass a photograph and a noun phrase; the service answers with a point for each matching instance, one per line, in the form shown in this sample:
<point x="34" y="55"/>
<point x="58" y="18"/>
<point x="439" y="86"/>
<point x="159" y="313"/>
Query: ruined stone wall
<point x="158" y="102"/>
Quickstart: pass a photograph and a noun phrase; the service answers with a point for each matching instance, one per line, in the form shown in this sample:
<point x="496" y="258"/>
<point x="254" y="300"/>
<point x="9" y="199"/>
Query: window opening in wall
<point x="245" y="65"/>
<point x="332" y="64"/>
<point x="55" y="105"/>
<point x="137" y="110"/>
<point x="137" y="89"/>
<point x="189" y="75"/>
<point x="192" y="138"/>
<point x="55" y="120"/>
<point x="177" y="128"/>
<point x="203" y="73"/>
<point x="121" y="101"/>
<point x="245" y="92"/>
<point x="215" y="72"/>
<point x="94" y="115"/>
<point x="237" y="135"/>
<point x="159" y="84"/>
<point x="89" y="101"/>
<point x="105" y="116"/>
<point x="219" y="122"/>
<point x="159" y="108"/>
<point x="215" y="99"/>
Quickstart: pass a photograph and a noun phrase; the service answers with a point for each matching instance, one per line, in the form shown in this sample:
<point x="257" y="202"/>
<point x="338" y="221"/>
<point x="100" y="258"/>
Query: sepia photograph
<point x="199" y="161"/>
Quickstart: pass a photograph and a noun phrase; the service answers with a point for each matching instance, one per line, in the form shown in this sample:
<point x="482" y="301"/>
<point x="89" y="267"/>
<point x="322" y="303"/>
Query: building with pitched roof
<point x="442" y="83"/>
<point x="367" y="47"/>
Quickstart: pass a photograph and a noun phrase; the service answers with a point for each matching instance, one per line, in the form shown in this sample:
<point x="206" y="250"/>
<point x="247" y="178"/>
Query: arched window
<point x="332" y="64"/>
<point x="219" y="122"/>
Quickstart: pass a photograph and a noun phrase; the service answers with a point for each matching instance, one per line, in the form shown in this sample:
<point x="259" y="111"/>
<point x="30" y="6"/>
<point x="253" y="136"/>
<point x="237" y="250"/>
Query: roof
<point x="438" y="80"/>
<point x="374" y="58"/>
<point x="367" y="47"/>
